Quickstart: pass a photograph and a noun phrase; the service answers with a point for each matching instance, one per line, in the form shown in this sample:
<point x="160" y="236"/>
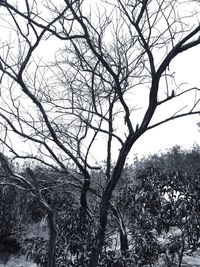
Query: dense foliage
<point x="156" y="212"/>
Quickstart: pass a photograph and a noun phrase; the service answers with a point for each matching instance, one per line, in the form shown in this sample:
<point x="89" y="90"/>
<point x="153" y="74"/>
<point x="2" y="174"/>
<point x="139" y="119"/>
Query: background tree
<point x="33" y="187"/>
<point x="159" y="206"/>
<point x="64" y="107"/>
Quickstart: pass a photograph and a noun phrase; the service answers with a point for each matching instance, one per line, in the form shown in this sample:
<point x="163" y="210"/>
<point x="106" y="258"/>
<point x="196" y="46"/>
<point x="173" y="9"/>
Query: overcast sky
<point x="183" y="132"/>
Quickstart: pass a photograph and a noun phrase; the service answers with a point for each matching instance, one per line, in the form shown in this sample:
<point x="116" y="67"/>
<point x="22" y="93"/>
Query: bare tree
<point x="113" y="59"/>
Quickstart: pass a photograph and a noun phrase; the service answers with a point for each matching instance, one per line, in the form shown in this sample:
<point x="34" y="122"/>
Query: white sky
<point x="183" y="132"/>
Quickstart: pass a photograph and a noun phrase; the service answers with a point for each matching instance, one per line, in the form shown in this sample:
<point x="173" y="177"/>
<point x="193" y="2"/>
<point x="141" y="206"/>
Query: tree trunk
<point x="122" y="231"/>
<point x="94" y="257"/>
<point x="52" y="240"/>
<point x="83" y="200"/>
<point x="51" y="262"/>
<point x="124" y="243"/>
<point x="117" y="171"/>
<point x="97" y="247"/>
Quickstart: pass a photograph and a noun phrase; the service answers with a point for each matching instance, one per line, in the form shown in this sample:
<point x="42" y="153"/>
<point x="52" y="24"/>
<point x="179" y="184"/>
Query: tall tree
<point x="105" y="60"/>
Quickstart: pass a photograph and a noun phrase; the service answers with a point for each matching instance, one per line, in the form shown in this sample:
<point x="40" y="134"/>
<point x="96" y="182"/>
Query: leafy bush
<point x="10" y="210"/>
<point x="74" y="238"/>
<point x="35" y="250"/>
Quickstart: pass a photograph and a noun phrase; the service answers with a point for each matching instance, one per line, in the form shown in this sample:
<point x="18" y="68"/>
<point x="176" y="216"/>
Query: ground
<point x="14" y="261"/>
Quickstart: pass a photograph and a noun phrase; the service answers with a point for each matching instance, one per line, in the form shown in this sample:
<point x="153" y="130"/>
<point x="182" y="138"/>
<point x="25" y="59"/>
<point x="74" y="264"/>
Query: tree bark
<point x="124" y="247"/>
<point x="117" y="171"/>
<point x="124" y="243"/>
<point x="52" y="240"/>
<point x="83" y="200"/>
<point x="97" y="248"/>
